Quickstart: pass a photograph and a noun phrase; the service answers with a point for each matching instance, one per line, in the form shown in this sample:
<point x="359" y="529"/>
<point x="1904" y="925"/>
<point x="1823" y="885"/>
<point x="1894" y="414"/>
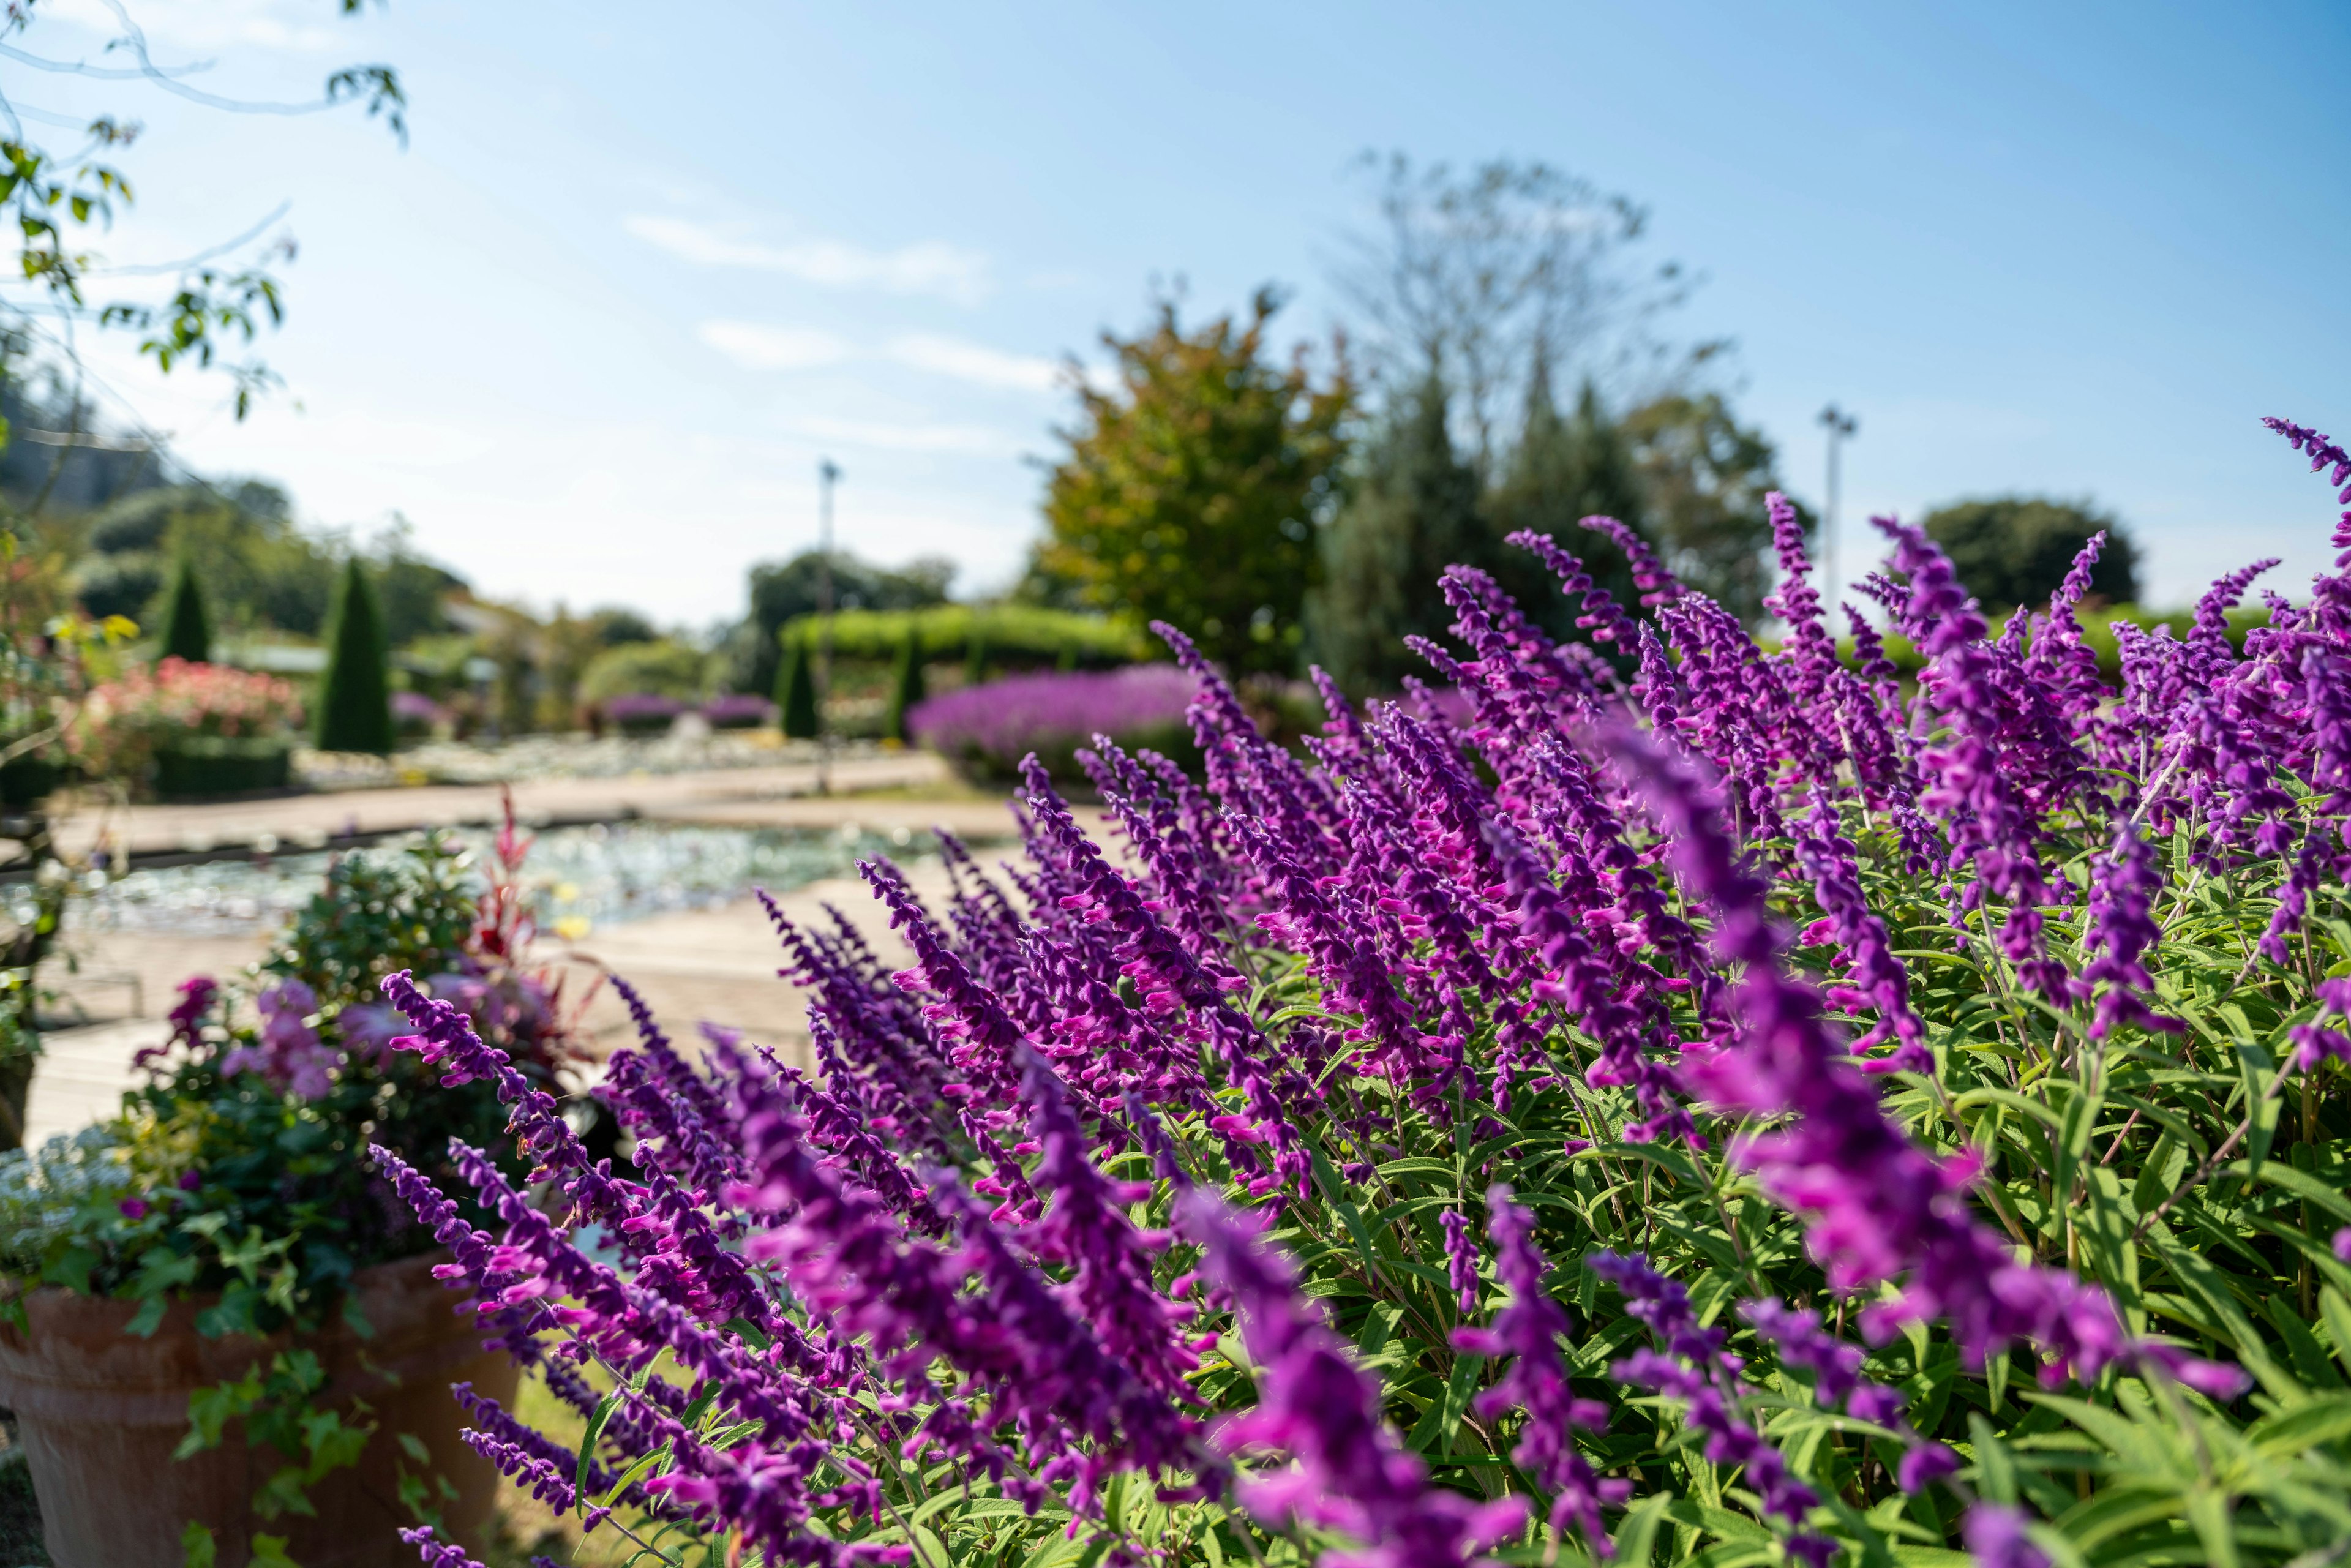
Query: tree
<point x="1561" y="471"/>
<point x="2016" y="549"/>
<point x="1704" y="476"/>
<point x="1414" y="512"/>
<point x="219" y="300"/>
<point x="785" y="591"/>
<point x="795" y="691"/>
<point x="187" y="631"/>
<point x="1193" y="489"/>
<point x="907" y="687"/>
<point x="355" y="693"/>
<point x="1498" y="274"/>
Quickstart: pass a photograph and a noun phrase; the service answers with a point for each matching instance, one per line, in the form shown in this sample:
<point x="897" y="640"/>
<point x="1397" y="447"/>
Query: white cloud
<point x="760" y="347"/>
<point x="969" y="440"/>
<point x="975" y="362"/>
<point x="927" y="267"/>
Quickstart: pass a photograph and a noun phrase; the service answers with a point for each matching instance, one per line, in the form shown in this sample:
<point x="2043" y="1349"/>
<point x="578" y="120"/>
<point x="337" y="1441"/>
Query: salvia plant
<point x="1705" y="1104"/>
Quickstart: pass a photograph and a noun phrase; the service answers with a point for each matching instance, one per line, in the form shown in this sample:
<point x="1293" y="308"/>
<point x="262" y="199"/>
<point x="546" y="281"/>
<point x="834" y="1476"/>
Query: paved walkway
<point x="716" y="965"/>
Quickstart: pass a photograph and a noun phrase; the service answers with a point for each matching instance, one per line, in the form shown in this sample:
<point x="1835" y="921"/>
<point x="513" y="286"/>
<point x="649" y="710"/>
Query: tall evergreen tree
<point x="907" y="689"/>
<point x="1414" y="512"/>
<point x="1562" y="470"/>
<point x="355" y="695"/>
<point x="796" y="690"/>
<point x="187" y="629"/>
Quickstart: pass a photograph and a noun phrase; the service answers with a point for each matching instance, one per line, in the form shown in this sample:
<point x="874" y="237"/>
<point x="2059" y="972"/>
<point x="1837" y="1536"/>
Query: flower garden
<point x="1660" y="1098"/>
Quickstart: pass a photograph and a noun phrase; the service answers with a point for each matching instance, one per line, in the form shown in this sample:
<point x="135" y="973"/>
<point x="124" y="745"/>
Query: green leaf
<point x="197" y="1547"/>
<point x="604" y="1413"/>
<point x="635" y="1473"/>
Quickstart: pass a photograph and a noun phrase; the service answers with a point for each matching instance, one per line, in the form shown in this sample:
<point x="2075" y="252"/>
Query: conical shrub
<point x="187" y="629"/>
<point x="908" y="689"/>
<point x="796" y="690"/>
<point x="355" y="696"/>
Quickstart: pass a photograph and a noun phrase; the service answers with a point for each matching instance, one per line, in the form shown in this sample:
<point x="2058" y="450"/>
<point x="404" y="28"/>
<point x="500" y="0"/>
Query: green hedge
<point x="2097" y="635"/>
<point x="1008" y="636"/>
<point x="203" y="765"/>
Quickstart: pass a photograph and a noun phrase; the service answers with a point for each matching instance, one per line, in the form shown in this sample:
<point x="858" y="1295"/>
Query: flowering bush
<point x="986" y="730"/>
<point x="413" y="713"/>
<point x="1732" y="1115"/>
<point x="123" y="722"/>
<point x="738" y="710"/>
<point x="642" y="711"/>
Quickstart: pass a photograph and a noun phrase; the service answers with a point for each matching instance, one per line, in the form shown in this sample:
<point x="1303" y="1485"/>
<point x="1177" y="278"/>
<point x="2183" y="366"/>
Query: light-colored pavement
<point x="716" y="965"/>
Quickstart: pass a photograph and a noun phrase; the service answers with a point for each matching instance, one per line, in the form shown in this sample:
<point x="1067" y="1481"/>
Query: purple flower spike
<point x="1460" y="1260"/>
<point x="1529" y="1330"/>
<point x="1995" y="1536"/>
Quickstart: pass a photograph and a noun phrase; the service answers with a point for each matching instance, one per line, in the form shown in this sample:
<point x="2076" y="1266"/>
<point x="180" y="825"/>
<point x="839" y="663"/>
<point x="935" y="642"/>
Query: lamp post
<point x="828" y="475"/>
<point x="1840" y="426"/>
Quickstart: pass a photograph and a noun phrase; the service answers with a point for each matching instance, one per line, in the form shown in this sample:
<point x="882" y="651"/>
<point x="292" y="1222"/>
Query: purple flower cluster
<point x="1013" y="1225"/>
<point x="1004" y="720"/>
<point x="288" y="1054"/>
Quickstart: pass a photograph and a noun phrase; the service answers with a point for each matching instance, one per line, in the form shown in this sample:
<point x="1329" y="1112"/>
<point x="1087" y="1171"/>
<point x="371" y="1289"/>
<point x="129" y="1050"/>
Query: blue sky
<point x="637" y="271"/>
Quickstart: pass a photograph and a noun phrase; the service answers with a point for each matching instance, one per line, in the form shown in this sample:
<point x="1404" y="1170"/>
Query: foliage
<point x="671" y="668"/>
<point x="986" y="730"/>
<point x="738" y="710"/>
<point x="236" y="1170"/>
<point x="1498" y="276"/>
<point x="1703" y="478"/>
<point x="43" y="1190"/>
<point x="1760" y="1117"/>
<point x="1194" y="488"/>
<point x="2016" y="549"/>
<point x="788" y="591"/>
<point x="260" y="573"/>
<point x="642" y="713"/>
<point x="795" y="688"/>
<point x="907" y="689"/>
<point x="187" y="630"/>
<point x="1014" y="634"/>
<point x="122" y="723"/>
<point x="1562" y="470"/>
<point x="61" y="198"/>
<point x="1415" y="507"/>
<point x="355" y="692"/>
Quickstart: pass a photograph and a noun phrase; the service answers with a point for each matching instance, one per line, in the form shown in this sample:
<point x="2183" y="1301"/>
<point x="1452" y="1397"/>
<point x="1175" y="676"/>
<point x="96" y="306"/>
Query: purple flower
<point x="288" y="1054"/>
<point x="1352" y="1473"/>
<point x="1460" y="1260"/>
<point x="1005" y="720"/>
<point x="2121" y="928"/>
<point x="434" y="1552"/>
<point x="1529" y="1328"/>
<point x="133" y="1208"/>
<point x="1995" y="1536"/>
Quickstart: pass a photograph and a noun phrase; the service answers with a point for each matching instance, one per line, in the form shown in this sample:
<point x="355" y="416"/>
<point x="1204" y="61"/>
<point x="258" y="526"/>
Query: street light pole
<point x="1840" y="426"/>
<point x="828" y="475"/>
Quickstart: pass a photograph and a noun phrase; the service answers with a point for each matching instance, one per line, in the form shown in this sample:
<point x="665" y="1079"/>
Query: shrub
<point x="907" y="688"/>
<point x="642" y="713"/>
<point x="796" y="692"/>
<point x="1763" y="1119"/>
<point x="670" y="668"/>
<point x="415" y="714"/>
<point x="355" y="692"/>
<point x="123" y="723"/>
<point x="738" y="710"/>
<point x="1009" y="634"/>
<point x="187" y="630"/>
<point x="983" y="731"/>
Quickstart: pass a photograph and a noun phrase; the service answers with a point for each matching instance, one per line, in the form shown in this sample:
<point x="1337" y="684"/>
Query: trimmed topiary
<point x="187" y="628"/>
<point x="355" y="695"/>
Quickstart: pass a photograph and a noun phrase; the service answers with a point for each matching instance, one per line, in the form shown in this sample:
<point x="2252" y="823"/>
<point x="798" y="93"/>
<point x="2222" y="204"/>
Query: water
<point x="583" y="877"/>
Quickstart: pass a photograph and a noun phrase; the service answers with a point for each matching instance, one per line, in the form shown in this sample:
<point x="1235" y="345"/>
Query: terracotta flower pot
<point x="100" y="1412"/>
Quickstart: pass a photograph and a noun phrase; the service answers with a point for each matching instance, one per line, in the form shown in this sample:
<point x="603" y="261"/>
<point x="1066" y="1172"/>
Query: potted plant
<point x="192" y="730"/>
<point x="217" y="1291"/>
